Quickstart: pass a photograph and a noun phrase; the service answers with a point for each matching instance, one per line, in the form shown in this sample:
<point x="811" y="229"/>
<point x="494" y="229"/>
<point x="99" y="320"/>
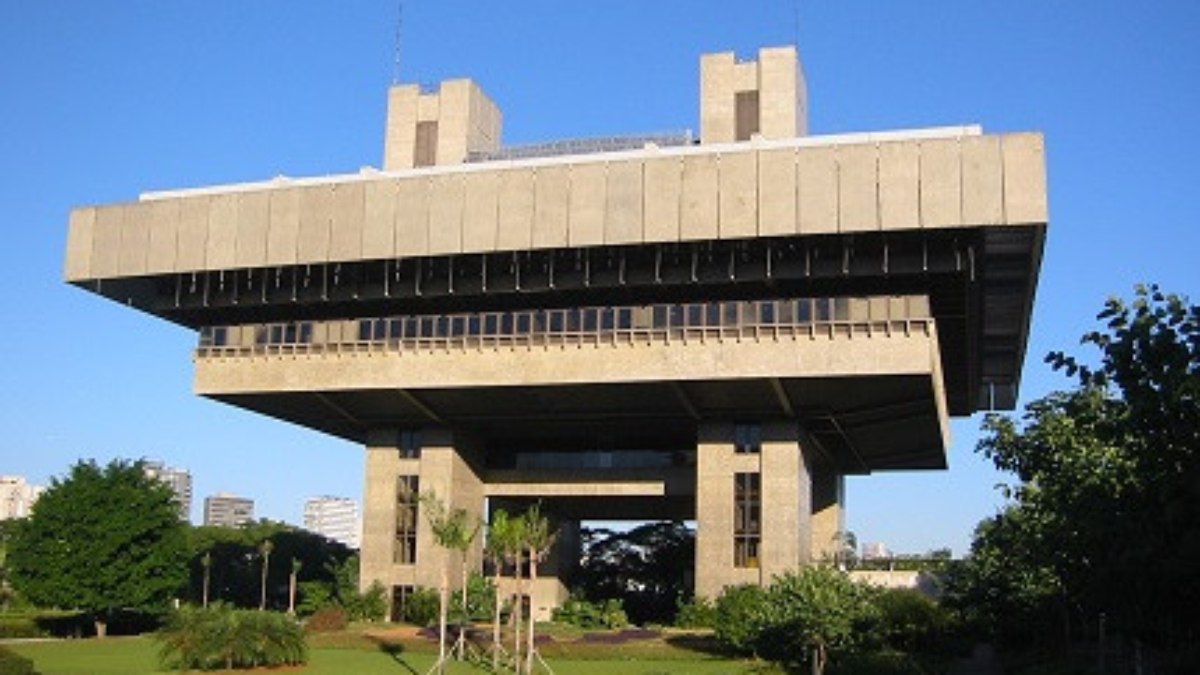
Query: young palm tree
<point x="538" y="540"/>
<point x="463" y="546"/>
<point x="296" y="565"/>
<point x="265" y="549"/>
<point x="515" y="554"/>
<point x="500" y="541"/>
<point x="206" y="563"/>
<point x="450" y="528"/>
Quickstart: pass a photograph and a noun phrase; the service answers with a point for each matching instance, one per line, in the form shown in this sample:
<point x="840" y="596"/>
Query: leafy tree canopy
<point x="1108" y="501"/>
<point x="103" y="540"/>
<point x="647" y="568"/>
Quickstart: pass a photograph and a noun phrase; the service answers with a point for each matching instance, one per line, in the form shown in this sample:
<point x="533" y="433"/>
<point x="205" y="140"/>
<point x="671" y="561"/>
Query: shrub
<point x="816" y="611"/>
<point x="605" y="614"/>
<point x="699" y="613"/>
<point x="737" y="612"/>
<point x="422" y="607"/>
<point x="481" y="599"/>
<point x="326" y="619"/>
<point x="20" y="626"/>
<point x="223" y="637"/>
<point x="911" y="622"/>
<point x="14" y="664"/>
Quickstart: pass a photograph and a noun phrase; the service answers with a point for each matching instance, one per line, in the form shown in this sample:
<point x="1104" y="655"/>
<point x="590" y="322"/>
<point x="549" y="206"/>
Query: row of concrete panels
<point x="646" y="197"/>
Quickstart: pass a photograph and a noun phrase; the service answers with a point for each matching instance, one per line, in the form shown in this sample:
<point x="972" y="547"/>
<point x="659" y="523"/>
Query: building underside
<point x="717" y="332"/>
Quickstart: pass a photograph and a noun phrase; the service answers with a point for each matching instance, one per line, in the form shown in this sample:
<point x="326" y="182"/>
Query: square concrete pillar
<point x="786" y="501"/>
<point x="445" y="466"/>
<point x="828" y="510"/>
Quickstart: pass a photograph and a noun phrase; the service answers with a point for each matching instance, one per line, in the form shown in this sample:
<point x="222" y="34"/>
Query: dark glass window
<point x="407" y="502"/>
<point x="747" y="519"/>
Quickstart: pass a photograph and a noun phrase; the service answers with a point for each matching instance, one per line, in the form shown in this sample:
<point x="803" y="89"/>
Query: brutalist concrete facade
<point x="642" y="328"/>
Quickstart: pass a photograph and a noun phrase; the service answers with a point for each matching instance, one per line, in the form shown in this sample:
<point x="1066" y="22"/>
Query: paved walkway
<point x="982" y="662"/>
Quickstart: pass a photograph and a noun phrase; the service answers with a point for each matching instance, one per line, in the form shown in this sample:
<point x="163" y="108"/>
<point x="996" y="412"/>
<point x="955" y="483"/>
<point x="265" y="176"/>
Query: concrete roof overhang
<point x="951" y="214"/>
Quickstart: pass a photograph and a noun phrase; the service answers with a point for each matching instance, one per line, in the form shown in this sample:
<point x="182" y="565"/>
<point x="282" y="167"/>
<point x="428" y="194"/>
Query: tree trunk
<point x="496" y="621"/>
<point x="518" y="606"/>
<point x="445" y="601"/>
<point x="533" y="561"/>
<point x="101" y="628"/>
<point x="292" y="594"/>
<point x="204" y="597"/>
<point x="462" y="638"/>
<point x="262" y="605"/>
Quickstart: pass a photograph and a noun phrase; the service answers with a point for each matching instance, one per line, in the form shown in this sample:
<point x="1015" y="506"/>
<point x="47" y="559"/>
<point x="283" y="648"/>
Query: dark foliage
<point x="1105" y="518"/>
<point x="647" y="569"/>
<point x="235" y="573"/>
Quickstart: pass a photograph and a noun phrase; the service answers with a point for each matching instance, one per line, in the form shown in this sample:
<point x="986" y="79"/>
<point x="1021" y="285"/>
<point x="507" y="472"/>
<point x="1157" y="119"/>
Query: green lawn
<point x="136" y="655"/>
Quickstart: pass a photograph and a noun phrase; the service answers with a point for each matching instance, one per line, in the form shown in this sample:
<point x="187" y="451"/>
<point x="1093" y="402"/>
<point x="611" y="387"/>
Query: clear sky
<point x="100" y="101"/>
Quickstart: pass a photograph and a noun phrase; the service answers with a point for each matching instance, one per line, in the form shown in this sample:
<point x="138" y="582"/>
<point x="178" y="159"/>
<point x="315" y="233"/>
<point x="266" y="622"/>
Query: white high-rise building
<point x="227" y="510"/>
<point x="17" y="497"/>
<point x="333" y="517"/>
<point x="180" y="482"/>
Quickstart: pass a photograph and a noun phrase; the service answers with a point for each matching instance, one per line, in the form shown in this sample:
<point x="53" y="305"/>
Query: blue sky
<point x="100" y="101"/>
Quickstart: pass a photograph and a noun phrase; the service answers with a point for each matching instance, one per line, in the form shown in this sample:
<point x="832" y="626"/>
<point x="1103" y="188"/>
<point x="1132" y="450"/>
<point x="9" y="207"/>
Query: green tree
<point x="802" y="617"/>
<point x="539" y="537"/>
<point x="452" y="530"/>
<point x="264" y="549"/>
<point x="1108" y="498"/>
<point x="102" y="540"/>
<point x="501" y="540"/>
<point x="645" y="568"/>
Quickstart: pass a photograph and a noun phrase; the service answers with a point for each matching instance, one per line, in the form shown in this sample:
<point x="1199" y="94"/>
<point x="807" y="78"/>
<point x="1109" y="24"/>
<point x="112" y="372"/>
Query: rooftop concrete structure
<point x="715" y="331"/>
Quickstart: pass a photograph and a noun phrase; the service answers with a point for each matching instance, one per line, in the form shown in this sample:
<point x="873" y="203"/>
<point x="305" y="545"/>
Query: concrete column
<point x="383" y="466"/>
<point x="447" y="470"/>
<point x="446" y="466"/>
<point x="786" y="501"/>
<point x="785" y="493"/>
<point x="828" y="510"/>
<point x="716" y="464"/>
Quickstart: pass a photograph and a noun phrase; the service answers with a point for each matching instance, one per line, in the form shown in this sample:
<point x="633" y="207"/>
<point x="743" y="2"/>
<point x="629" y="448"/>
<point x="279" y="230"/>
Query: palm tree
<point x="501" y="539"/>
<point x="450" y="530"/>
<point x="463" y="544"/>
<point x="516" y="555"/>
<point x="296" y="565"/>
<point x="206" y="563"/>
<point x="265" y="549"/>
<point x="538" y="540"/>
<point x="845" y="549"/>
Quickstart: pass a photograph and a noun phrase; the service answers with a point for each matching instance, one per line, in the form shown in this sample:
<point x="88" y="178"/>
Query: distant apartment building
<point x="875" y="550"/>
<point x="180" y="482"/>
<point x="17" y="497"/>
<point x="227" y="510"/>
<point x="333" y="517"/>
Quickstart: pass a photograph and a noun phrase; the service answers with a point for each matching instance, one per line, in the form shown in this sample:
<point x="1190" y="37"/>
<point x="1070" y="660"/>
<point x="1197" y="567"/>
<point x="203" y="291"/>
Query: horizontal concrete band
<point x="817" y="355"/>
<point x="731" y="191"/>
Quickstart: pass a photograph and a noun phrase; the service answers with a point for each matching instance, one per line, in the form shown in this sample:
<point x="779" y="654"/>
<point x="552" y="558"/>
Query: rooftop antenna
<point x="399" y="35"/>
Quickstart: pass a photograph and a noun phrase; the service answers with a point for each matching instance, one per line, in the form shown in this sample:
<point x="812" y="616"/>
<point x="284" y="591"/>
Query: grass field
<point x="355" y="653"/>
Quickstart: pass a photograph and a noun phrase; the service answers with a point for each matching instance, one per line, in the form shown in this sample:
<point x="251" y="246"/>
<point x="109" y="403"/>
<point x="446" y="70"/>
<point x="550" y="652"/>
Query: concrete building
<point x="227" y="510"/>
<point x="335" y="518"/>
<point x="17" y="497"/>
<point x="632" y="328"/>
<point x="180" y="482"/>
